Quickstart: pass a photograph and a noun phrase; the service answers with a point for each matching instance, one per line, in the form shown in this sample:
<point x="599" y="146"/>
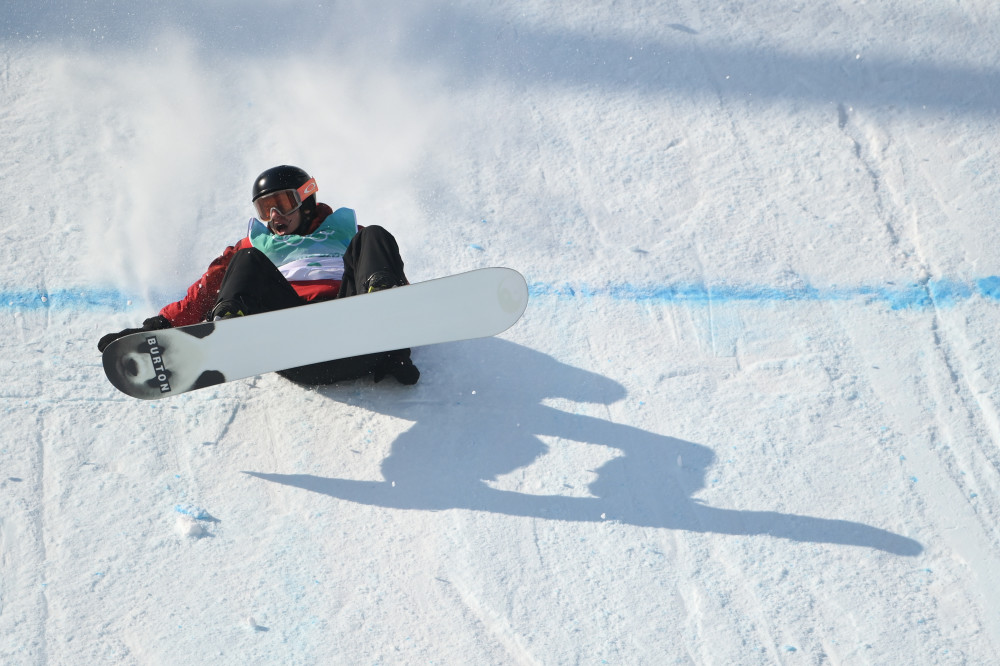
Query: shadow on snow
<point x="460" y="440"/>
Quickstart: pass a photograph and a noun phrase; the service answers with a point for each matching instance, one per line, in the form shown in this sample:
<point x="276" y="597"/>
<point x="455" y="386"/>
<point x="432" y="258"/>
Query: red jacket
<point x="200" y="296"/>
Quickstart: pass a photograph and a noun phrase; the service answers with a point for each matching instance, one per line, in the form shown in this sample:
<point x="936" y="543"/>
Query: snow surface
<point x="751" y="415"/>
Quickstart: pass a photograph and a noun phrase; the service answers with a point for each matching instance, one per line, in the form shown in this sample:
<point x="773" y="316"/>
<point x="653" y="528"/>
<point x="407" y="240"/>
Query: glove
<point x="399" y="365"/>
<point x="157" y="323"/>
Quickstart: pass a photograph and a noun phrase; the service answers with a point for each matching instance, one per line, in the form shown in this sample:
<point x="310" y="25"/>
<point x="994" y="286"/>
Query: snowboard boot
<point x="398" y="364"/>
<point x="227" y="309"/>
<point x="380" y="280"/>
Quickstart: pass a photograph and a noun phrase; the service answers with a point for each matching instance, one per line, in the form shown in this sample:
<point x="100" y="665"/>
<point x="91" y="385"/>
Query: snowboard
<point x="156" y="364"/>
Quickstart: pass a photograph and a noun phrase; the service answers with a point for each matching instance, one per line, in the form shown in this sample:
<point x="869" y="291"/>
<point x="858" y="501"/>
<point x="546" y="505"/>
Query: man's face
<point x="283" y="225"/>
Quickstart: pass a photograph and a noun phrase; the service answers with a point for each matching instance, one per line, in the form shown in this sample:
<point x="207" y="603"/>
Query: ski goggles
<point x="285" y="202"/>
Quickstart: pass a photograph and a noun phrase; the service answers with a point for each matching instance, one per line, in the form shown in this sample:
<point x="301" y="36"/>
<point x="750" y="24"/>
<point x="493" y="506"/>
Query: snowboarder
<point x="296" y="251"/>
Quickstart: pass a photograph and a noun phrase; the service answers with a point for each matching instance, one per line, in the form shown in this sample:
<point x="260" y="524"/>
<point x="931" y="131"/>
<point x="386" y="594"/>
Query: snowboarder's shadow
<point x="478" y="415"/>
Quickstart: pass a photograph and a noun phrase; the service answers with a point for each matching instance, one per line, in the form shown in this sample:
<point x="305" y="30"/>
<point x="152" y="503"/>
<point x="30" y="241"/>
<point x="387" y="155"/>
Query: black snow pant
<point x="254" y="280"/>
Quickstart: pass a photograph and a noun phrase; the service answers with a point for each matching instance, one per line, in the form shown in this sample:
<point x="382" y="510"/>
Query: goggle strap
<point x="307" y="189"/>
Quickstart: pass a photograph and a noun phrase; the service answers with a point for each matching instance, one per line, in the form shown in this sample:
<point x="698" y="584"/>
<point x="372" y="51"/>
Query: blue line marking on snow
<point x="64" y="299"/>
<point x="913" y="296"/>
<point x="84" y="298"/>
<point x="933" y="293"/>
<point x="989" y="287"/>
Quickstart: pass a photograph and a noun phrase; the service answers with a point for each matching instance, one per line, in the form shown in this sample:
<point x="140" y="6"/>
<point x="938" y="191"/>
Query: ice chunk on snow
<point x="187" y="526"/>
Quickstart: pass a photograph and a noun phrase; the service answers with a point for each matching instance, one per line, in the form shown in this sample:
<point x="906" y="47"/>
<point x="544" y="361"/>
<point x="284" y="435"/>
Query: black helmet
<point x="279" y="178"/>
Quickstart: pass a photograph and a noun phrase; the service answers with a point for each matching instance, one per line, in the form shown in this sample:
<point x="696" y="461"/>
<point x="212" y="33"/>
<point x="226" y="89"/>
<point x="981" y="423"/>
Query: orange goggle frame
<point x="285" y="202"/>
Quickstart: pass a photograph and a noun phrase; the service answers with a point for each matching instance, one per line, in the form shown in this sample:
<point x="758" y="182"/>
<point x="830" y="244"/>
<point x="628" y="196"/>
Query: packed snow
<point x="751" y="415"/>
